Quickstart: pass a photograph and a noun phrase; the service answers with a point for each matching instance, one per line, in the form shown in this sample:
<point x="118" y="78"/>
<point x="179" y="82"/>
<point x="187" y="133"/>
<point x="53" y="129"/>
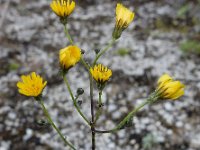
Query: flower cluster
<point x="33" y="84"/>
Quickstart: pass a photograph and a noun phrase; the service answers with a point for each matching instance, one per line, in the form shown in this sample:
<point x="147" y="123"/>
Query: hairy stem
<point x="54" y="126"/>
<point x="100" y="105"/>
<point x="68" y="35"/>
<point x="74" y="100"/>
<point x="103" y="51"/>
<point x="130" y="115"/>
<point x="92" y="124"/>
<point x="85" y="64"/>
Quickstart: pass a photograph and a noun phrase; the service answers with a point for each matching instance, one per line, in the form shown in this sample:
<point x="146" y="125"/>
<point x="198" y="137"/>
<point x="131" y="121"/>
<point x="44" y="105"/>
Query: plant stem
<point x="127" y="118"/>
<point x="66" y="81"/>
<point x="93" y="138"/>
<point x="100" y="99"/>
<point x="74" y="100"/>
<point x="85" y="64"/>
<point x="68" y="35"/>
<point x="103" y="51"/>
<point x="54" y="126"/>
<point x="131" y="114"/>
<point x="92" y="124"/>
<point x="99" y="111"/>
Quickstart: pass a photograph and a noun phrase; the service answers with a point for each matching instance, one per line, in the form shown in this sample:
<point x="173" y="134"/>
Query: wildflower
<point x="31" y="85"/>
<point x="169" y="88"/>
<point x="124" y="17"/>
<point x="101" y="74"/>
<point x="69" y="56"/>
<point x="62" y="8"/>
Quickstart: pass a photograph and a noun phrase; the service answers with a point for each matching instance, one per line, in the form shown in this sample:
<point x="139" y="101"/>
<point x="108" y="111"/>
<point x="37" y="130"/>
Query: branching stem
<point x="152" y="98"/>
<point x="103" y="51"/>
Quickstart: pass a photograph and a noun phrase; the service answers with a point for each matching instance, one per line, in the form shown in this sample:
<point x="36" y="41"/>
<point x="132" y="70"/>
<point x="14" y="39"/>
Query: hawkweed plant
<point x="33" y="84"/>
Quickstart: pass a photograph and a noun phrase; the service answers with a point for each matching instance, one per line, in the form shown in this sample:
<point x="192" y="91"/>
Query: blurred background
<point x="164" y="38"/>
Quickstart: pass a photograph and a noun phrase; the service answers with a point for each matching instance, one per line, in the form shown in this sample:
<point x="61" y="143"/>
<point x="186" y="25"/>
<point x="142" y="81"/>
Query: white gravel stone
<point x="28" y="135"/>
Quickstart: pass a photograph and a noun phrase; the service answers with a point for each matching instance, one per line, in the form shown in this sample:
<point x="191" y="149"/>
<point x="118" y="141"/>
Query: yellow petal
<point x="168" y="88"/>
<point x="69" y="56"/>
<point x="31" y="85"/>
<point x="124" y="16"/>
<point x="100" y="73"/>
<point x="62" y="8"/>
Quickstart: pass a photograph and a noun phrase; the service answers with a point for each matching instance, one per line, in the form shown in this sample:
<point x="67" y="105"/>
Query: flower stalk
<point x="74" y="100"/>
<point x="85" y="64"/>
<point x="92" y="123"/>
<point x="53" y="125"/>
<point x="152" y="98"/>
<point x="68" y="35"/>
<point x="110" y="44"/>
<point x="100" y="105"/>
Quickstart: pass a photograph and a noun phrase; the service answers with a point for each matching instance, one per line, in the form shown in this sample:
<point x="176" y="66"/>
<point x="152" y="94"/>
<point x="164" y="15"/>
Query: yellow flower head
<point x="169" y="88"/>
<point x="62" y="8"/>
<point x="31" y="85"/>
<point x="69" y="56"/>
<point x="124" y="16"/>
<point x="100" y="73"/>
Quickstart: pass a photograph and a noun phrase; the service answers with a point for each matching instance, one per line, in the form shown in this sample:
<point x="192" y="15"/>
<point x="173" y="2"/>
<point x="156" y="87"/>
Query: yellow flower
<point x="124" y="17"/>
<point x="163" y="79"/>
<point x="100" y="73"/>
<point x="31" y="85"/>
<point x="69" y="56"/>
<point x="169" y="88"/>
<point x="62" y="8"/>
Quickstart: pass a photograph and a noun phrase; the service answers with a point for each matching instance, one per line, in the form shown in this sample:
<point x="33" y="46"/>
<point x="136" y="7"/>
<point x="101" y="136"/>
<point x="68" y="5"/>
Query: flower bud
<point x="97" y="50"/>
<point x="79" y="102"/>
<point x="42" y="122"/>
<point x="124" y="17"/>
<point x="82" y="51"/>
<point x="79" y="91"/>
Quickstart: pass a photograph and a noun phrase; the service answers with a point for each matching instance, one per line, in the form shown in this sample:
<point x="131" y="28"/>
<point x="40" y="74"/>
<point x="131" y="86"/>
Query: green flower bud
<point x="79" y="91"/>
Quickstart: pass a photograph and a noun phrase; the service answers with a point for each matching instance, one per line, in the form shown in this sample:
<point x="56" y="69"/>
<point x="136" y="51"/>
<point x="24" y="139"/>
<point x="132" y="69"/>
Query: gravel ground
<point x="30" y="39"/>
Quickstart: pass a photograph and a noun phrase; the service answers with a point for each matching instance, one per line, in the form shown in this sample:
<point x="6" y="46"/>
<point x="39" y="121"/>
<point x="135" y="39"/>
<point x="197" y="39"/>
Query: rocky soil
<point x="30" y="39"/>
